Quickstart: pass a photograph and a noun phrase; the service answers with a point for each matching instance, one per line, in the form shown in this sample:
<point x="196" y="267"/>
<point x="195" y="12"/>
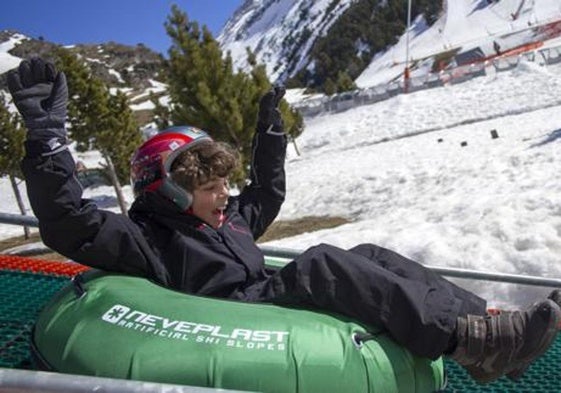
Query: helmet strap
<point x="182" y="198"/>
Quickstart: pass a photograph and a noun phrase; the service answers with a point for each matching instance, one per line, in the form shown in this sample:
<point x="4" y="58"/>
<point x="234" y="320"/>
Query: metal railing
<point x="290" y="254"/>
<point x="18" y="219"/>
<point x="344" y="101"/>
<point x="25" y="381"/>
<point x="287" y="255"/>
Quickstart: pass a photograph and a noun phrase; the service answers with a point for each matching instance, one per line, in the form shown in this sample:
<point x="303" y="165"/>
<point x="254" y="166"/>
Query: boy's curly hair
<point x="202" y="163"/>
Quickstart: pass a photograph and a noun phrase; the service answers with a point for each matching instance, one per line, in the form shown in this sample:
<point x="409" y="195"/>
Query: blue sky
<point x="95" y="21"/>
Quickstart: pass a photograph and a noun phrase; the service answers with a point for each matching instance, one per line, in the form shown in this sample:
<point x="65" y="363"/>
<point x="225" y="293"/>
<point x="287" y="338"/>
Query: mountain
<point x="313" y="43"/>
<point x="135" y="70"/>
<point x="281" y="33"/>
<point x="331" y="45"/>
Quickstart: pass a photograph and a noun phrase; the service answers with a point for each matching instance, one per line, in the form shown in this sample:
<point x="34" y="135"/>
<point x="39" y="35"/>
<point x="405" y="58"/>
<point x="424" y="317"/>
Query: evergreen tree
<point x="100" y="120"/>
<point x="329" y="87"/>
<point x="344" y="82"/>
<point x="206" y="92"/>
<point x="122" y="137"/>
<point x="12" y="136"/>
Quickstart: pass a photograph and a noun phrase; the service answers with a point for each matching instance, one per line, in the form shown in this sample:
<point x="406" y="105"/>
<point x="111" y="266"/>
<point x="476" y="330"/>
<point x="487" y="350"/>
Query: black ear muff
<point x="175" y="193"/>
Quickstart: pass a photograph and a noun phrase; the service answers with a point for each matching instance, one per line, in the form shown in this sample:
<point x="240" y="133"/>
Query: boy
<point x="185" y="232"/>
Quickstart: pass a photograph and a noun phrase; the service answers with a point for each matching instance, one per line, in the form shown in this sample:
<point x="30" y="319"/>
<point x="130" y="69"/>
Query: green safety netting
<point x="23" y="294"/>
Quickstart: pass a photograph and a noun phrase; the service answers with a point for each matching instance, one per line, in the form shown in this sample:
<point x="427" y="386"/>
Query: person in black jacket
<point x="187" y="233"/>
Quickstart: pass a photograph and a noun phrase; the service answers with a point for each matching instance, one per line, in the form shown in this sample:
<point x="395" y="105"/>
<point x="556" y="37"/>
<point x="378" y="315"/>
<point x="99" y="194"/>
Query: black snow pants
<point x="376" y="286"/>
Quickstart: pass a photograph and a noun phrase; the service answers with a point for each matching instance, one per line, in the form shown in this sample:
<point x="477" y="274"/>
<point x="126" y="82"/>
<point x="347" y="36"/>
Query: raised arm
<point x="70" y="225"/>
<point x="261" y="200"/>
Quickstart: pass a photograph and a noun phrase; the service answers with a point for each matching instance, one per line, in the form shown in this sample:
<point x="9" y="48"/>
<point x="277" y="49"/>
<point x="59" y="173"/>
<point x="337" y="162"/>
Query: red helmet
<point x="151" y="163"/>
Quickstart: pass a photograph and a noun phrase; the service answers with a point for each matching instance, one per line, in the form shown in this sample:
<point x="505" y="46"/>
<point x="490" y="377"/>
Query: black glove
<point x="41" y="95"/>
<point x="269" y="118"/>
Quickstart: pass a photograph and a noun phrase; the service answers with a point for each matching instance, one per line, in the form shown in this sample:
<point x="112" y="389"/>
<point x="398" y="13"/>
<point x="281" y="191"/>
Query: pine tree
<point x="122" y="129"/>
<point x="206" y="92"/>
<point x="12" y="136"/>
<point x="329" y="87"/>
<point x="344" y="82"/>
<point x="100" y="120"/>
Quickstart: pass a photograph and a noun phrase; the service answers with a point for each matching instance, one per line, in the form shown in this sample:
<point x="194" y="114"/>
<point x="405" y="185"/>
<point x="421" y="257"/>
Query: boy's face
<point x="210" y="200"/>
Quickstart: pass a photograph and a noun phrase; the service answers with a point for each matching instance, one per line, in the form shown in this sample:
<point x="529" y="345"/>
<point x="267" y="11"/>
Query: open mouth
<point x="219" y="211"/>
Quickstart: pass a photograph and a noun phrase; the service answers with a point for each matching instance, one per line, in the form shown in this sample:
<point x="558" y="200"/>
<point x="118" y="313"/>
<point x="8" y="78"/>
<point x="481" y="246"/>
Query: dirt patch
<point x="48" y="256"/>
<point x="282" y="229"/>
<point x="144" y="116"/>
<point x="17" y="241"/>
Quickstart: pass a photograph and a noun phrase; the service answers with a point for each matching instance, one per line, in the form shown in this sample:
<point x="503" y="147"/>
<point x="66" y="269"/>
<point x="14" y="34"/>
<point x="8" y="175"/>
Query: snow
<point x="157" y="87"/>
<point x="493" y="205"/>
<point x="116" y="75"/>
<point x="397" y="169"/>
<point x="7" y="61"/>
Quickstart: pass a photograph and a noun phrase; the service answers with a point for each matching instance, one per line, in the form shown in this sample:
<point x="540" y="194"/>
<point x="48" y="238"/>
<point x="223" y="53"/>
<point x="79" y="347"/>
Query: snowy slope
<point x="7" y="61"/>
<point x="274" y="28"/>
<point x="492" y="205"/>
<point x="466" y="24"/>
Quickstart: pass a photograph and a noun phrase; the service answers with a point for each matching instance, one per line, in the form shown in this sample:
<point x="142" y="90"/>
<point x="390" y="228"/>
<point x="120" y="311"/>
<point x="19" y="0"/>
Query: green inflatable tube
<point x="127" y="327"/>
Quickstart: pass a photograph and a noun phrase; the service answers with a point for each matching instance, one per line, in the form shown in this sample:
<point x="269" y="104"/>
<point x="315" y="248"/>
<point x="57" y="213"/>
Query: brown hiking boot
<point x="517" y="373"/>
<point x="505" y="342"/>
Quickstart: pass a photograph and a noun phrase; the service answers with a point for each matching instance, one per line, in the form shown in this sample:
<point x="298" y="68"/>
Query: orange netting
<point x="26" y="264"/>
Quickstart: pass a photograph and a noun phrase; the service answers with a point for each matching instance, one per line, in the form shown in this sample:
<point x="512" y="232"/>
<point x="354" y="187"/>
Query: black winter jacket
<point x="157" y="240"/>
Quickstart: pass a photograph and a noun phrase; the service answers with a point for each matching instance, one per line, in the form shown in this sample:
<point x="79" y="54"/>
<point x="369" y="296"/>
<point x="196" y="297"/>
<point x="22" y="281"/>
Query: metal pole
<point x="289" y="254"/>
<point x="406" y="72"/>
<point x="25" y="381"/>
<point x="407" y="36"/>
<point x="18" y="219"/>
